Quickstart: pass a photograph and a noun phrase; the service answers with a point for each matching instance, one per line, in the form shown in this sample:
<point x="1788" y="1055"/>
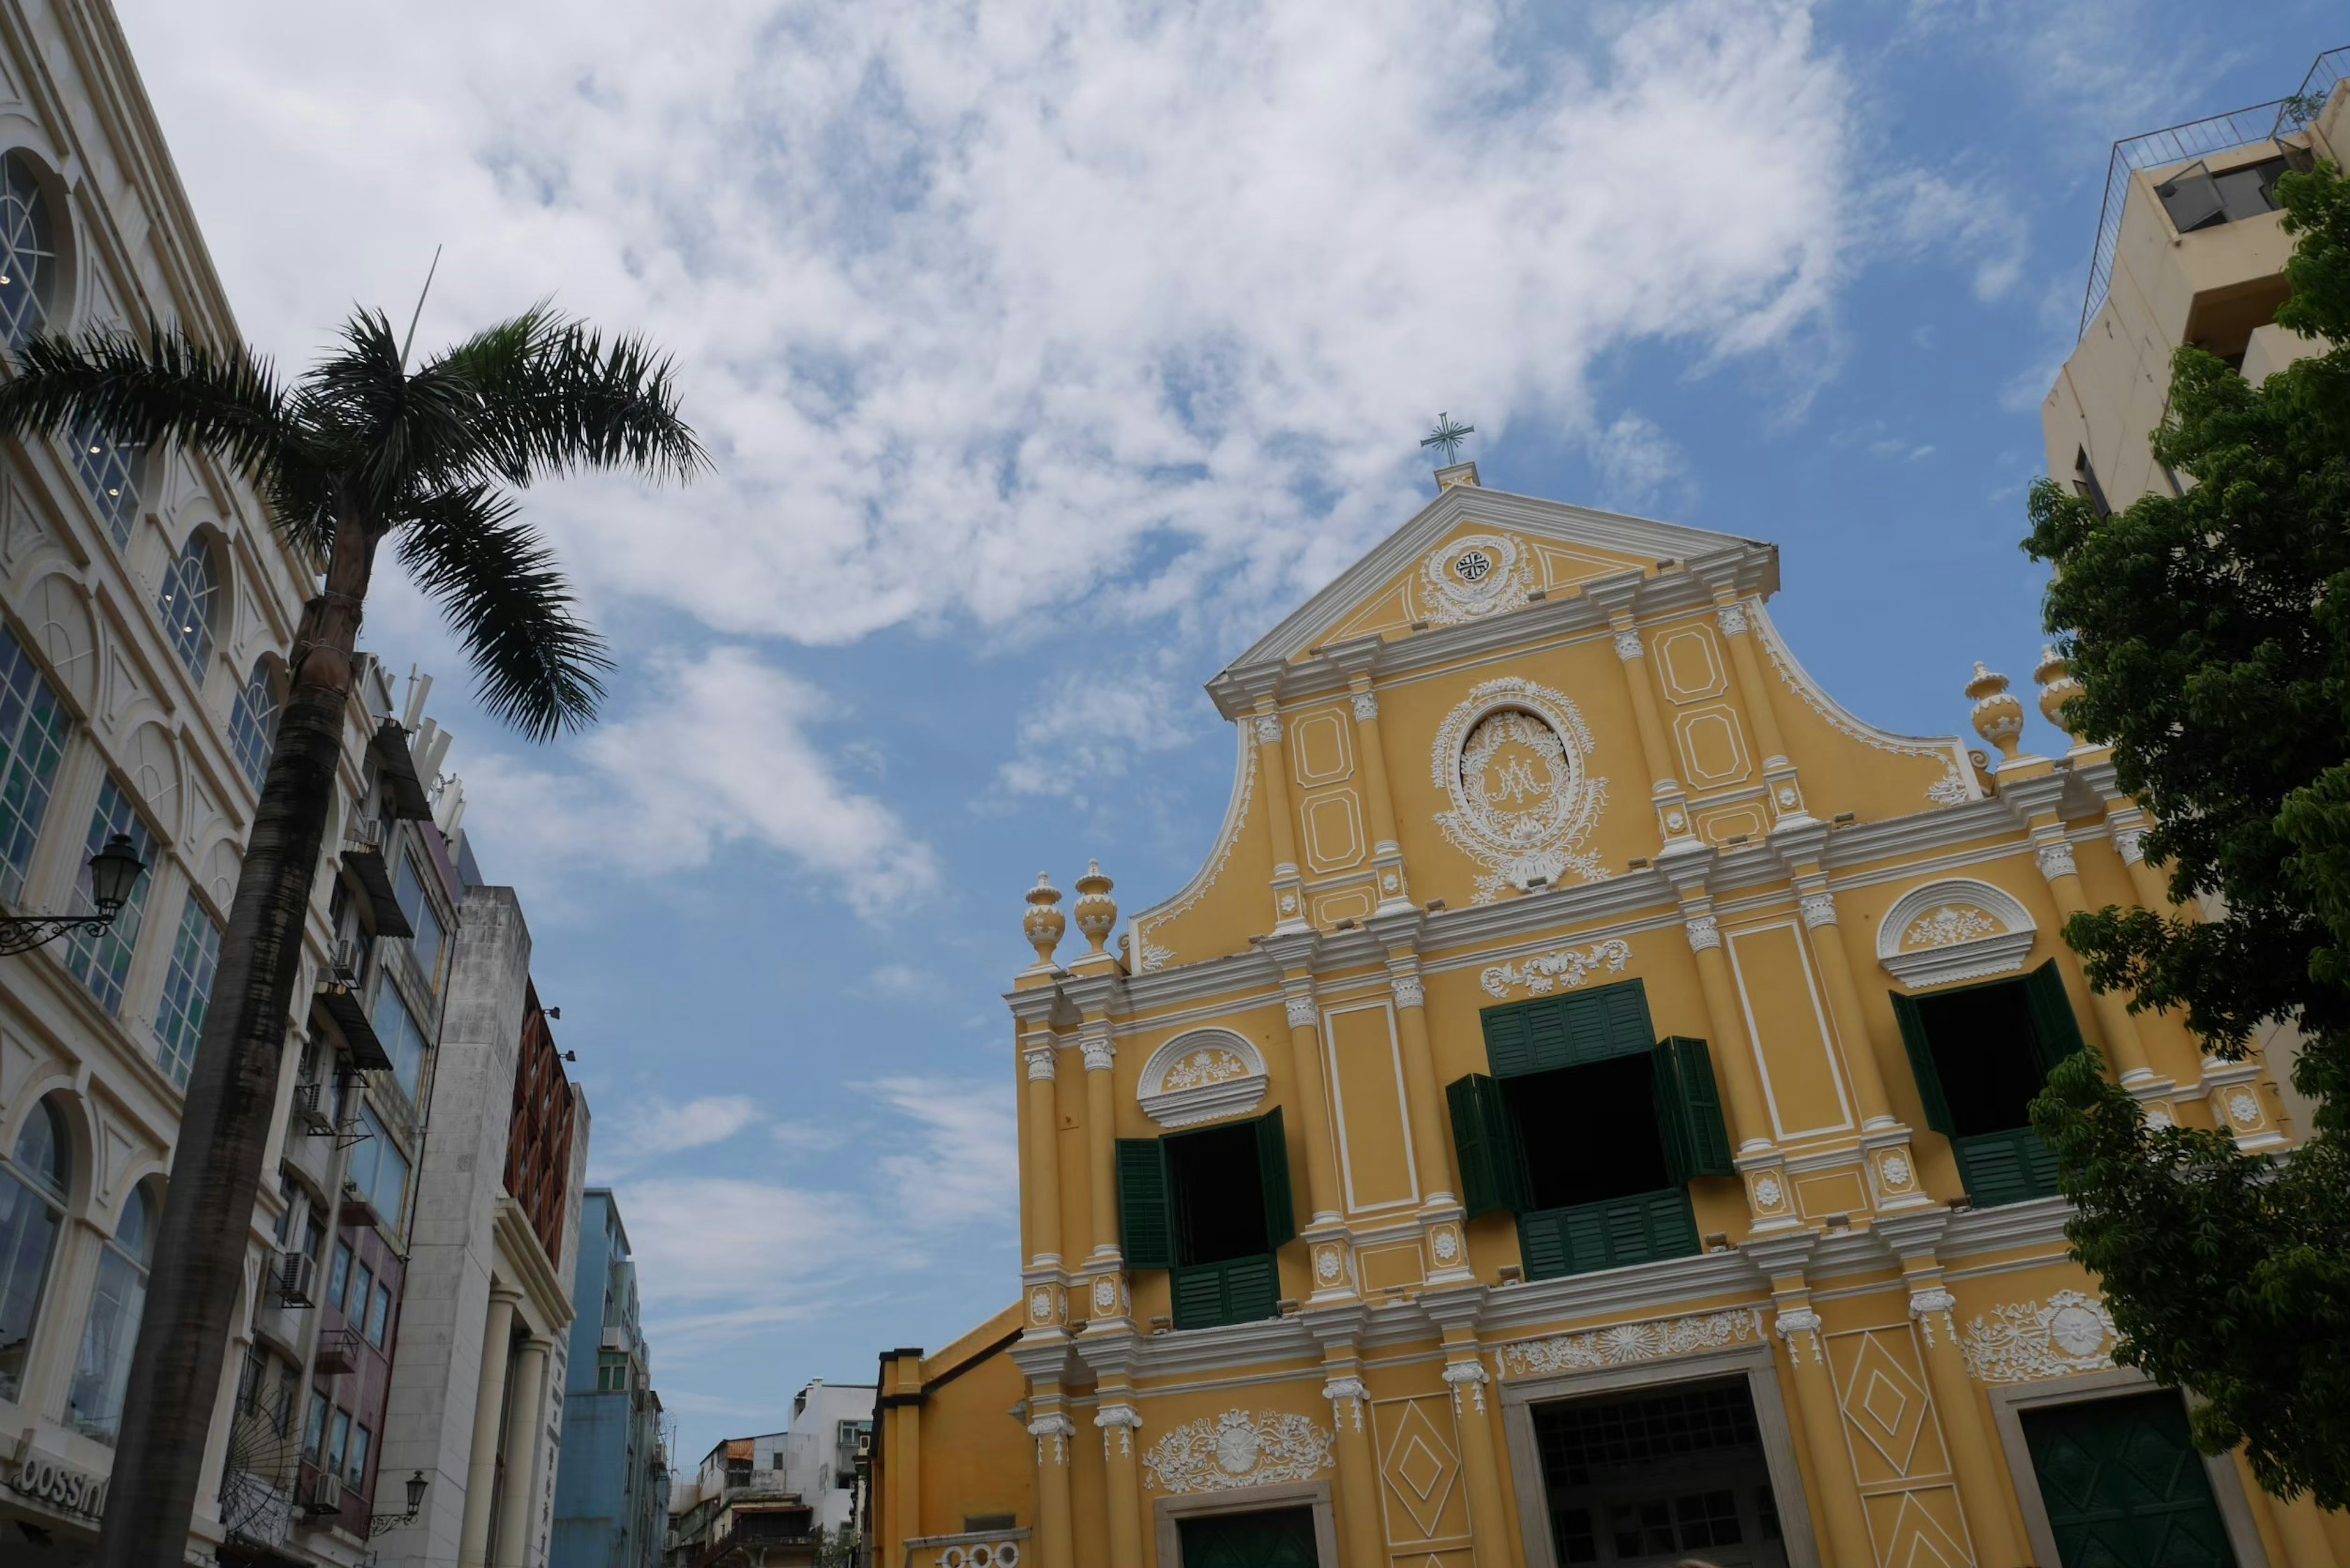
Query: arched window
<point x="28" y="252"/>
<point x="116" y="1301"/>
<point x="253" y="723"/>
<point x="189" y="590"/>
<point x="33" y="1182"/>
<point x="109" y="472"/>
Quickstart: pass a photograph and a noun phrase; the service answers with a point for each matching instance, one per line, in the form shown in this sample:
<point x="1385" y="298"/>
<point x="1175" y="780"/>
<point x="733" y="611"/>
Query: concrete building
<point x="476" y="1395"/>
<point x="145" y="606"/>
<point x="779" y="1497"/>
<point x="2190" y="249"/>
<point x="1576" y="1113"/>
<point x="611" y="1501"/>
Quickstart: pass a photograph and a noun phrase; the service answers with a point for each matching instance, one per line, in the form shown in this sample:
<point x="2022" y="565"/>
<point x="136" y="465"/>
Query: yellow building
<point x="1577" y="1113"/>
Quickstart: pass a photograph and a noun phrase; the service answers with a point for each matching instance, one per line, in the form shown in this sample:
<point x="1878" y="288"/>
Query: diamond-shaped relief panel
<point x="1420" y="1463"/>
<point x="1880" y="1388"/>
<point x="1919" y="1529"/>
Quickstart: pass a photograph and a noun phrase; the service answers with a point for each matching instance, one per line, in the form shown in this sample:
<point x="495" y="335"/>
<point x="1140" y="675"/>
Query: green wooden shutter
<point x="2005" y="1167"/>
<point x="1485" y="1140"/>
<point x="1689" y="1110"/>
<point x="1272" y="1178"/>
<point x="1553" y="1031"/>
<point x="1615" y="1234"/>
<point x="2057" y="1031"/>
<point x="1146" y="1216"/>
<point x="1197" y="1292"/>
<point x="1922" y="1063"/>
<point x="1237" y="1290"/>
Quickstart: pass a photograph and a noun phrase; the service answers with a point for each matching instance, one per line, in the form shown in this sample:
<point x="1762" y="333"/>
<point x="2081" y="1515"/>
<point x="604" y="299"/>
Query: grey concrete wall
<point x="428" y="1425"/>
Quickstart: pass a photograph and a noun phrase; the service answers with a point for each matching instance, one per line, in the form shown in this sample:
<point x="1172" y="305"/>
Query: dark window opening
<point x="2198" y="199"/>
<point x="2084" y="483"/>
<point x="1219" y="1194"/>
<point x="1648" y="1479"/>
<point x="1588" y="1134"/>
<point x="1987" y="1054"/>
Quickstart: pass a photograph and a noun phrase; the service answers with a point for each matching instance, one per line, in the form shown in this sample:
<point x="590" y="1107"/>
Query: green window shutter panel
<point x="1198" y="1293"/>
<point x="1272" y="1178"/>
<point x="1553" y="1031"/>
<point x="2058" y="1031"/>
<point x="1689" y="1110"/>
<point x="1237" y="1290"/>
<point x="1146" y="1217"/>
<point x="1485" y="1140"/>
<point x="1608" y="1235"/>
<point x="2006" y="1167"/>
<point x="1922" y="1063"/>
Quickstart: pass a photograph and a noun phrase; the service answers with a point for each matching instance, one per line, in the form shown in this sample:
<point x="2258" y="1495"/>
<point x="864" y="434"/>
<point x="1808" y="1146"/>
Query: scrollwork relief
<point x="1562" y="970"/>
<point x="1512" y="761"/>
<point x="1237" y="1450"/>
<point x="1629" y="1342"/>
<point x="2025" y="1341"/>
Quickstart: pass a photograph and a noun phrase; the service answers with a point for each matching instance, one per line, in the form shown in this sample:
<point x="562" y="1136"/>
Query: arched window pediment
<point x="1201" y="1075"/>
<point x="1954" y="929"/>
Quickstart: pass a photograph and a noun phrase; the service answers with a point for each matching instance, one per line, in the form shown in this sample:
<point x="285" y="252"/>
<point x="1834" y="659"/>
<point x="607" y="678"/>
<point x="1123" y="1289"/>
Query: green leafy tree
<point x="2211" y="632"/>
<point x="359" y="452"/>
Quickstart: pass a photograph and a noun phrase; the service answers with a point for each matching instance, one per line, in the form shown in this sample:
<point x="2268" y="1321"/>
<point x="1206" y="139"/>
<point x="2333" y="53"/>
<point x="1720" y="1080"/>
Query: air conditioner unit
<point x="364" y="833"/>
<point x="312" y="1113"/>
<point x="326" y="1496"/>
<point x="343" y="963"/>
<point x="297" y="1276"/>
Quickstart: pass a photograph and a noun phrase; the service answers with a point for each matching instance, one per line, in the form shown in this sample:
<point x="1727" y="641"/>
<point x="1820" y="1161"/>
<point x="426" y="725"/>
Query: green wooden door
<point x="2123" y="1486"/>
<point x="1272" y="1537"/>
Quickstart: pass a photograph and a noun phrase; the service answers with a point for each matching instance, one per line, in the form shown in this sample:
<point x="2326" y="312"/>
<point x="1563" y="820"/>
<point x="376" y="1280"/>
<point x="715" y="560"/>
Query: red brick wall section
<point x="538" y="1141"/>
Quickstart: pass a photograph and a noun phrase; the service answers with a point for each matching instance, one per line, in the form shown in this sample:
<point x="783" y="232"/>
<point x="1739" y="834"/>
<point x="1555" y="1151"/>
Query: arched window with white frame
<point x="252" y="722"/>
<point x="118" y="1300"/>
<point x="28" y="252"/>
<point x="190" y="596"/>
<point x="34" y="1180"/>
<point x="112" y="473"/>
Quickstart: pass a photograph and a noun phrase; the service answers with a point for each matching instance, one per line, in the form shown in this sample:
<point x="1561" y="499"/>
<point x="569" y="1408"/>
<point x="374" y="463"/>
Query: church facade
<point x="1576" y="1114"/>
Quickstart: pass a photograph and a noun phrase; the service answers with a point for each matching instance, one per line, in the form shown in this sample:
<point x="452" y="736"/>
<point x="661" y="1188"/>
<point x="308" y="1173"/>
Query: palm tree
<point x="359" y="451"/>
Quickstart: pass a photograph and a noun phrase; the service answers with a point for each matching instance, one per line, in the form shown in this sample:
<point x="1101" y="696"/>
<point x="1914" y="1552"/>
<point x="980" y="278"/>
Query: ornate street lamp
<point x="379" y="1522"/>
<point x="114" y="871"/>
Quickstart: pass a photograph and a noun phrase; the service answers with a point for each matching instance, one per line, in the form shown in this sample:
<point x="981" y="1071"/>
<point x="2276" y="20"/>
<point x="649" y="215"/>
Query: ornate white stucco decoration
<point x="1562" y="970"/>
<point x="1201" y="1075"/>
<point x="2026" y="1341"/>
<point x="1473" y="577"/>
<point x="1237" y="1450"/>
<point x="1951" y="930"/>
<point x="1300" y="1011"/>
<point x="1628" y="1342"/>
<point x="1512" y="759"/>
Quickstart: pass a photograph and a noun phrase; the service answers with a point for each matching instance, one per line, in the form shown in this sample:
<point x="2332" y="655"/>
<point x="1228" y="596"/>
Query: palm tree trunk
<point x="232" y="1096"/>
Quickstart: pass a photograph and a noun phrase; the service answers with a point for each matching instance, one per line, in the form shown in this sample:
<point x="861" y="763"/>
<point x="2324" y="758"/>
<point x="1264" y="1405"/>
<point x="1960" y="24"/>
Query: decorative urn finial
<point x="1097" y="911"/>
<point x="1043" y="921"/>
<point x="2058" y="685"/>
<point x="1998" y="712"/>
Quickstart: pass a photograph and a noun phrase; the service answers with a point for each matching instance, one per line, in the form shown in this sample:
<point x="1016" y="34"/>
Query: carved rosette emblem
<point x="1237" y="1450"/>
<point x="2018" y="1344"/>
<point x="1475" y="575"/>
<point x="1512" y="759"/>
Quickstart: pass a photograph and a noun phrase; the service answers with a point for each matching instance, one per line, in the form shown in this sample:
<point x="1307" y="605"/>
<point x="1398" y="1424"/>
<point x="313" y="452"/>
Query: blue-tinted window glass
<point x="404" y="1042"/>
<point x="190" y="591"/>
<point x="410" y="889"/>
<point x="33" y="1184"/>
<point x="187" y="990"/>
<point x="28" y="252"/>
<point x="380" y="1171"/>
<point x="32" y="743"/>
<point x="110" y="473"/>
<point x="103" y="962"/>
<point x="118" y="1299"/>
<point x="253" y="724"/>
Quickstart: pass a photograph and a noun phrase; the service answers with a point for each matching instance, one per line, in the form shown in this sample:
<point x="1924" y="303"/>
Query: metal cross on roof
<point x="1446" y="437"/>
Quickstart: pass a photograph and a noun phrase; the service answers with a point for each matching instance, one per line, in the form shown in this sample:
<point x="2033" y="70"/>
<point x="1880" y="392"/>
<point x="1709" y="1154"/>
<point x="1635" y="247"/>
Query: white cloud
<point x="1086" y="729"/>
<point x="959" y="1145"/>
<point x="1641" y="468"/>
<point x="649" y="1128"/>
<point x="716" y="751"/>
<point x="1970" y="222"/>
<point x="981" y="305"/>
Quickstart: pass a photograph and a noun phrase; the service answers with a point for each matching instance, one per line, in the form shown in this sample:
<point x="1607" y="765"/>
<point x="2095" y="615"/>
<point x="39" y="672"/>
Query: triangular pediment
<point x="1471" y="552"/>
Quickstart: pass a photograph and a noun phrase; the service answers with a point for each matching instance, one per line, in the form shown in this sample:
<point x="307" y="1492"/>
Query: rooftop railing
<point x="2199" y="138"/>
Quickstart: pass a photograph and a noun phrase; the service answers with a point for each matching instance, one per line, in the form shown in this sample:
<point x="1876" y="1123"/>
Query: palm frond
<point x="389" y="427"/>
<point x="538" y="667"/>
<point x="168" y="386"/>
<point x="558" y="397"/>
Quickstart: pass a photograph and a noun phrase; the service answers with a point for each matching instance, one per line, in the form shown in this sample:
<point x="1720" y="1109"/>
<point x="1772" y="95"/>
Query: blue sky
<point x="1050" y="353"/>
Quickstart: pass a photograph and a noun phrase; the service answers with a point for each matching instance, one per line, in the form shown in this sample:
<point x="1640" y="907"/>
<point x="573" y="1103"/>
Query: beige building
<point x="2190" y="249"/>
